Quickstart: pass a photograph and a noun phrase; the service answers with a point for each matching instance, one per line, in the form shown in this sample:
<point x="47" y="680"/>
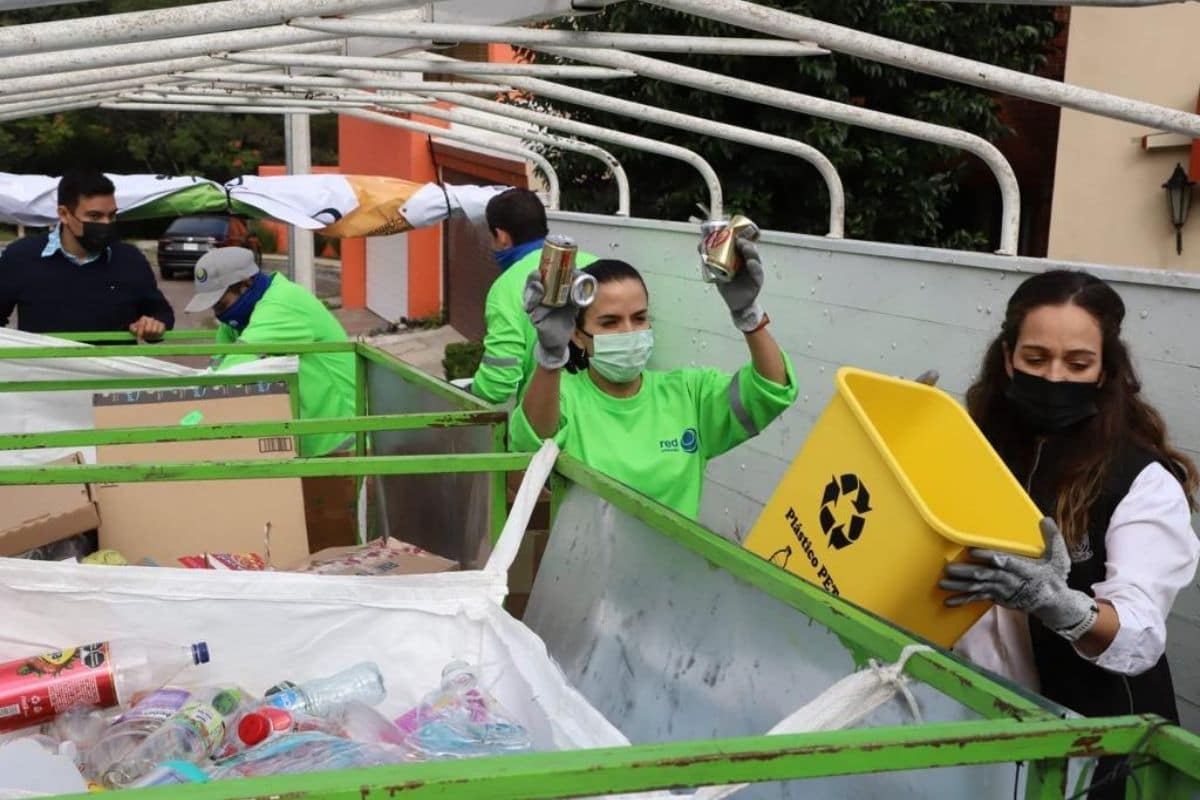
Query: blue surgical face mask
<point x="237" y="316"/>
<point x="621" y="357"/>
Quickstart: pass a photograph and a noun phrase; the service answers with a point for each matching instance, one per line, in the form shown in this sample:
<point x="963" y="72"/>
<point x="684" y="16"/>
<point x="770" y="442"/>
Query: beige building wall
<point x="1109" y="206"/>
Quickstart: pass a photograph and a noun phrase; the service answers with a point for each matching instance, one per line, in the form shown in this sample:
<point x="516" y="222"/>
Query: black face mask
<point x="97" y="235"/>
<point x="1050" y="406"/>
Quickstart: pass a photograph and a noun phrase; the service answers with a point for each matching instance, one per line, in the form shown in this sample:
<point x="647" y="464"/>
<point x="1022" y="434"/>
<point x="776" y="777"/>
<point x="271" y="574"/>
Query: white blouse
<point x="1152" y="553"/>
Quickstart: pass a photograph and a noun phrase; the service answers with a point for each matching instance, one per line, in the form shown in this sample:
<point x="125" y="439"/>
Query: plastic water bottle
<point x="325" y="696"/>
<point x="362" y="723"/>
<point x="132" y="728"/>
<point x="191" y="735"/>
<point x="34" y="690"/>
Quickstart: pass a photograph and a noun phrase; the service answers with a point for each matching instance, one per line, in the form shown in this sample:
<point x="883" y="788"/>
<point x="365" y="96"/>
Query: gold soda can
<point x="562" y="283"/>
<point x="719" y="259"/>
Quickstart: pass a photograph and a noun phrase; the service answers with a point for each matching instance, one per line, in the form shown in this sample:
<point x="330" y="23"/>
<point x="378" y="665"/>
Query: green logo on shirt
<point x="688" y="442"/>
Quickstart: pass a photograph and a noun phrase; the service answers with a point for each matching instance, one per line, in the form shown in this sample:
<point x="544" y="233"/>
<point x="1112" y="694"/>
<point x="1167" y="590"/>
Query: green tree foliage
<point x="216" y="146"/>
<point x="897" y="189"/>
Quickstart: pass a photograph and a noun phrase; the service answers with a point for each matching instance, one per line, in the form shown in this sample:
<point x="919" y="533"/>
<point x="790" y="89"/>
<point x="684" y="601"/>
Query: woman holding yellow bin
<point x="654" y="431"/>
<point x="1059" y="400"/>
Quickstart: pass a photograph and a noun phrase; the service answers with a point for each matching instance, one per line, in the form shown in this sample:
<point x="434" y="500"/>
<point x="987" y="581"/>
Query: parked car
<point x="188" y="238"/>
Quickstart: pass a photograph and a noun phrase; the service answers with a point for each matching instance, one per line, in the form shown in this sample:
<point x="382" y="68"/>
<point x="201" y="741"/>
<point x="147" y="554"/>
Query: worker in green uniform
<point x="517" y="222"/>
<point x="654" y="431"/>
<point x="255" y="307"/>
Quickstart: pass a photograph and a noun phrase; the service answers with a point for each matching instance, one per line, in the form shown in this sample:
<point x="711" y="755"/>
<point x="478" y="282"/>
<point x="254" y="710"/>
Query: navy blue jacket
<point x="55" y="294"/>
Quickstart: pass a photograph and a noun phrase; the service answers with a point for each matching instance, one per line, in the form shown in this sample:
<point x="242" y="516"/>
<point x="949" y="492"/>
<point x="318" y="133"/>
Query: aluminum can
<point x="562" y="283"/>
<point x="719" y="259"/>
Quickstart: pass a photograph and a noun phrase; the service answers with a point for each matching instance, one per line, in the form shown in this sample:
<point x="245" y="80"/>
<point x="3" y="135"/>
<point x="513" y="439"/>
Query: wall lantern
<point x="1179" y="198"/>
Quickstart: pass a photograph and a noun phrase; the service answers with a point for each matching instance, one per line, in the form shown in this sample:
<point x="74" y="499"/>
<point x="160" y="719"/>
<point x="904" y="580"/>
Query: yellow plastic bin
<point x="894" y="482"/>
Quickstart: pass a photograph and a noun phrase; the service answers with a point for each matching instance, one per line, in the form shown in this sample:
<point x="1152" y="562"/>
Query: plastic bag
<point x="460" y="720"/>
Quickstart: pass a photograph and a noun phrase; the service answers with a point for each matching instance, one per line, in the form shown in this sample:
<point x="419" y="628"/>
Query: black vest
<point x="1066" y="678"/>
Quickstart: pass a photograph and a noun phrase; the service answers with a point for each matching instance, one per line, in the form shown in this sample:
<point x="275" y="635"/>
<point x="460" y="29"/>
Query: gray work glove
<point x="553" y="325"/>
<point x="741" y="293"/>
<point x="1037" y="586"/>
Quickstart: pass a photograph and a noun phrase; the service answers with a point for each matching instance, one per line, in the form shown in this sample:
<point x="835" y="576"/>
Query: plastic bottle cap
<point x="200" y="653"/>
<point x="280" y="719"/>
<point x="254" y="728"/>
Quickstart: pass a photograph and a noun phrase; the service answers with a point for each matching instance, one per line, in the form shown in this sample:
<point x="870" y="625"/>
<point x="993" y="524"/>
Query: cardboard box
<point x="377" y="558"/>
<point x="166" y="520"/>
<point x="33" y="516"/>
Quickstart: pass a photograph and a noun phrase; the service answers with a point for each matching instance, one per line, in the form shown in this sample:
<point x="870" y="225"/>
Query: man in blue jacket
<point x="78" y="277"/>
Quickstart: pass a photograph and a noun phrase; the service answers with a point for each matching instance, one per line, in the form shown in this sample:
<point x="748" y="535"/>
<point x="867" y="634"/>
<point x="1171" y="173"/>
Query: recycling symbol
<point x="849" y="491"/>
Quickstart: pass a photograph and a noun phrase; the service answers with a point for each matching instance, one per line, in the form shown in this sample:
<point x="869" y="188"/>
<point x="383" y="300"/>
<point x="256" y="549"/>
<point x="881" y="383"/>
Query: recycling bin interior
<point x="894" y="481"/>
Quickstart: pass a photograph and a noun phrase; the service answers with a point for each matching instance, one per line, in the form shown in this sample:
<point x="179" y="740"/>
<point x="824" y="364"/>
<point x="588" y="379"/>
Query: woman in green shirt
<point x="652" y="430"/>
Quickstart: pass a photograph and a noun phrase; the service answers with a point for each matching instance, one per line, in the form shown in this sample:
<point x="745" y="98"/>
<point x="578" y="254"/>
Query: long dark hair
<point x="605" y="270"/>
<point x="1124" y="417"/>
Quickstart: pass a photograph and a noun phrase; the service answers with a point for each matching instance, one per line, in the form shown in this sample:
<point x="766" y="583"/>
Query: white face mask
<point x="621" y="357"/>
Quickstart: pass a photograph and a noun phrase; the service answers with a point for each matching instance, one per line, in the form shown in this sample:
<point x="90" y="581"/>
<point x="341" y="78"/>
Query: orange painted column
<point x="366" y="148"/>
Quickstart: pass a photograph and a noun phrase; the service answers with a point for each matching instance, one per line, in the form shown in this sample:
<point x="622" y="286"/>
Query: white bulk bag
<point x="264" y="627"/>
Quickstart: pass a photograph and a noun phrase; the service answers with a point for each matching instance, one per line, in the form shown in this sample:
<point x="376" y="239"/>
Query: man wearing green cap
<point x="255" y="307"/>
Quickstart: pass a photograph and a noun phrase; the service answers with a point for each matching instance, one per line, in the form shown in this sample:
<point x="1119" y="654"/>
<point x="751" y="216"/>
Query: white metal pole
<point x="932" y="62"/>
<point x="323" y="82"/>
<point x="633" y="142"/>
<point x="46" y="64"/>
<point x="477" y="140"/>
<point x="225" y="99"/>
<point x="13" y="5"/>
<point x="564" y="72"/>
<point x="141" y="26"/>
<point x="298" y="148"/>
<point x="781" y="144"/>
<point x="95" y="77"/>
<point x="498" y="124"/>
<point x="49" y="107"/>
<point x="347" y="96"/>
<point x="133" y="105"/>
<point x="1010" y="190"/>
<point x="1109" y="3"/>
<point x="658" y="43"/>
<point x="85" y="89"/>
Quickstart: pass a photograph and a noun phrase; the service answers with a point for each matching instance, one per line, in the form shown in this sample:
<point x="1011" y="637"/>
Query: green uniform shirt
<point x="508" y="344"/>
<point x="660" y="440"/>
<point x="286" y="314"/>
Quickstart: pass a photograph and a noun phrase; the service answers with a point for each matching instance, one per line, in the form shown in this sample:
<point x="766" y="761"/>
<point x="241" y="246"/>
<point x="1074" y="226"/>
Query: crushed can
<point x="562" y="283"/>
<point x="719" y="259"/>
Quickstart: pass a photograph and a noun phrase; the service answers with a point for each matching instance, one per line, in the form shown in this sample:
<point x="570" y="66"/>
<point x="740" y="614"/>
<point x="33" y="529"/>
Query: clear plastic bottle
<point x="362" y="723"/>
<point x="34" y="690"/>
<point x="132" y="728"/>
<point x="325" y="696"/>
<point x="191" y="734"/>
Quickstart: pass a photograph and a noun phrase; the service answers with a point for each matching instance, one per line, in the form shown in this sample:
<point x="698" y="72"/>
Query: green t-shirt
<point x="660" y="440"/>
<point x="508" y="344"/>
<point x="287" y="314"/>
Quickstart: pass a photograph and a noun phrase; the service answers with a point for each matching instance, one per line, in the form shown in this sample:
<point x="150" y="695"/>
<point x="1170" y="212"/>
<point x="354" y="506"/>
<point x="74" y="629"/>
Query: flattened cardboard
<point x="33" y="516"/>
<point x="166" y="520"/>
<point x="378" y="558"/>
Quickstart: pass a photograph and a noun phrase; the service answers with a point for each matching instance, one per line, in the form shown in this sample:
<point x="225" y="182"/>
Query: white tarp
<point x="39" y="412"/>
<point x="33" y="199"/>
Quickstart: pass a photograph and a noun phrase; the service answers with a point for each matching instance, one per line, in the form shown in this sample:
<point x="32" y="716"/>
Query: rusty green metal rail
<point x="758" y="759"/>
